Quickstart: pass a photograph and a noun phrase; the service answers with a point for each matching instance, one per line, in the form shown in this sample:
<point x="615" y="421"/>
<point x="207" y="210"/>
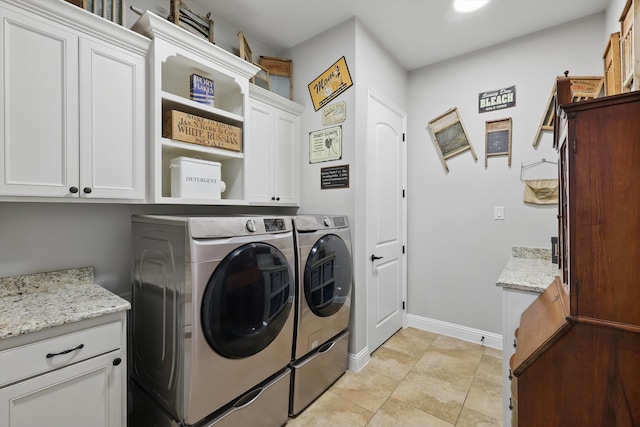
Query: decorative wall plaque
<point x="325" y="145"/>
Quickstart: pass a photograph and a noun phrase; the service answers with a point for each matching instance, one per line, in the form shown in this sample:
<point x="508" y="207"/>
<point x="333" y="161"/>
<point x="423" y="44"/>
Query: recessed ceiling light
<point x="468" y="5"/>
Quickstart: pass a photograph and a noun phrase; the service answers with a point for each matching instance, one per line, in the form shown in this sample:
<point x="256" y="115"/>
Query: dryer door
<point x="247" y="300"/>
<point x="327" y="275"/>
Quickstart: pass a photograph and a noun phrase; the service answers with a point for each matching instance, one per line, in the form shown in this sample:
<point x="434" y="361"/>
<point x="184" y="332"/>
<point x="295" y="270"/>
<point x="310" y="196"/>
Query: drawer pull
<point x="50" y="355"/>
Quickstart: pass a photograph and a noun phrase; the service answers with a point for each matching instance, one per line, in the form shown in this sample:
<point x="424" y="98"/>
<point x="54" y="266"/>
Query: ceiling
<point x="416" y="32"/>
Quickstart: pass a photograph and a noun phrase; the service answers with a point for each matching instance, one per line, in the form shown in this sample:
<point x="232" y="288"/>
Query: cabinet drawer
<point x="42" y="356"/>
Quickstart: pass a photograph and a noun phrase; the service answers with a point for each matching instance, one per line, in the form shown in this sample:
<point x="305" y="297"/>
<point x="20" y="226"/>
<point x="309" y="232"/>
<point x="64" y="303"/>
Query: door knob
<point x="373" y="257"/>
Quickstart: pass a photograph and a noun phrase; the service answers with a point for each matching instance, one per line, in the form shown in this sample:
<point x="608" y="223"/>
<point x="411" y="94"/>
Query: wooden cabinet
<point x="599" y="148"/>
<point x="176" y="54"/>
<point x="70" y="375"/>
<point x="73" y="111"/>
<point x="273" y="140"/>
<point x="578" y="350"/>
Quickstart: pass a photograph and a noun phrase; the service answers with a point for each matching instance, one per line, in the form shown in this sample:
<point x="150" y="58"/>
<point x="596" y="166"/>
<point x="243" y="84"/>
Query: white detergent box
<point x="196" y="178"/>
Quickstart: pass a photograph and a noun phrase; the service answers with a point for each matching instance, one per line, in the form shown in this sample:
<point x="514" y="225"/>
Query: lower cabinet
<point x="66" y="377"/>
<point x="514" y="302"/>
<point x="572" y="371"/>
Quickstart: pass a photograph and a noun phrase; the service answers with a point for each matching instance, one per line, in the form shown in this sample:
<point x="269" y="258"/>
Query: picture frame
<point x="498" y="139"/>
<point x="450" y="136"/>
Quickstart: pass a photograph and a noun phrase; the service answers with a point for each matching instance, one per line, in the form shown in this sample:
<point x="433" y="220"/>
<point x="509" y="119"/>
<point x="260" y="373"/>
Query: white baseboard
<point x="358" y="361"/>
<point x="465" y="333"/>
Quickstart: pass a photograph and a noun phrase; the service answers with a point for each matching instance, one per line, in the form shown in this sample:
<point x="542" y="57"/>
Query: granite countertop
<point x="528" y="269"/>
<point x="39" y="301"/>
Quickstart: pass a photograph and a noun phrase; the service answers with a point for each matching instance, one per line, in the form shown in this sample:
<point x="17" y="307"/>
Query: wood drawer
<point x="33" y="359"/>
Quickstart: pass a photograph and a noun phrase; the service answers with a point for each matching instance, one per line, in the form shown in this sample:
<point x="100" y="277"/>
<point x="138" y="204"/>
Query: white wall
<point x="225" y="36"/>
<point x="456" y="250"/>
<point x="38" y="237"/>
<point x="612" y="14"/>
<point x="369" y="65"/>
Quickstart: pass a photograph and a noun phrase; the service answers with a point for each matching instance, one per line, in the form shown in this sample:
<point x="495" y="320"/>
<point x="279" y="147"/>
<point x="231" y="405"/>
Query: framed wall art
<point x="325" y="145"/>
<point x="498" y="139"/>
<point x="449" y="136"/>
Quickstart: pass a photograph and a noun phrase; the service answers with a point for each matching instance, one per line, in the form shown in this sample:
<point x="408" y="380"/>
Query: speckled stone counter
<point x="39" y="301"/>
<point x="528" y="269"/>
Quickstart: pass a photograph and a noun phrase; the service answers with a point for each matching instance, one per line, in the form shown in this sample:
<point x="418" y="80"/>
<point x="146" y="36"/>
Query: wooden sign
<point x="328" y="85"/>
<point x="334" y="177"/>
<point x="199" y="130"/>
<point x="582" y="88"/>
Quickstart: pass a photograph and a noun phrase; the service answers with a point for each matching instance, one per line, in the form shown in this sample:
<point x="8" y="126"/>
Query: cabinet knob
<point x="87" y="190"/>
<point x="73" y="190"/>
<point x="117" y="361"/>
<point x="275" y="198"/>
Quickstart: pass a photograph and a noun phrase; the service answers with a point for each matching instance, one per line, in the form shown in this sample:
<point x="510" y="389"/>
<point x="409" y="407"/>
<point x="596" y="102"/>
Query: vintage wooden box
<point x="186" y="127"/>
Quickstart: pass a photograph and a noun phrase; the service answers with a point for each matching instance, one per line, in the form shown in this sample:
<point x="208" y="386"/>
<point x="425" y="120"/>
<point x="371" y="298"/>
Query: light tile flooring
<point x="416" y="378"/>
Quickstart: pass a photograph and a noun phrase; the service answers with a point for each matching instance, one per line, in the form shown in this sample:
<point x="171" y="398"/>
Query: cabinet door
<point x="39" y="108"/>
<point x="285" y="154"/>
<point x="85" y="394"/>
<point x="112" y="122"/>
<point x="260" y="153"/>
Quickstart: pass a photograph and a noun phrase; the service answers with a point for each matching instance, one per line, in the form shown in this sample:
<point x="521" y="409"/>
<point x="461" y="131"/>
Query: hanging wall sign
<point x="334" y="113"/>
<point x="334" y="177"/>
<point x="497" y="99"/>
<point x="331" y="83"/>
<point x="325" y="145"/>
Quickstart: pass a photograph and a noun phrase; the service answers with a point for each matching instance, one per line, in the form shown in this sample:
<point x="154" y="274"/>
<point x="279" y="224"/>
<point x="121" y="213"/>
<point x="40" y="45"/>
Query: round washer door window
<point x="247" y="300"/>
<point x="327" y="275"/>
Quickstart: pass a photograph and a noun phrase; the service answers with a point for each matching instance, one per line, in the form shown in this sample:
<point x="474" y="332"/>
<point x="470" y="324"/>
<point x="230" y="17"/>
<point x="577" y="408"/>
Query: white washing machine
<point x="212" y="317"/>
<point x="323" y="303"/>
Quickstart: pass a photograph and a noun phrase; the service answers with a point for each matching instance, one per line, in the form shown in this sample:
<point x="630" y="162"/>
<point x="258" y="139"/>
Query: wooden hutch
<point x="577" y="359"/>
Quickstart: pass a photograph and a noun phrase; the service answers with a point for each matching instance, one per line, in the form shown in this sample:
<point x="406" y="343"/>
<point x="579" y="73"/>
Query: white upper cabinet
<point x="273" y="149"/>
<point x="74" y="110"/>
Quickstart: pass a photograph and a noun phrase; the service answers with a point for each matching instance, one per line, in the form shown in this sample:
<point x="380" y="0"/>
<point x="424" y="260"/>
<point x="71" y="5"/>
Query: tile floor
<point x="416" y="378"/>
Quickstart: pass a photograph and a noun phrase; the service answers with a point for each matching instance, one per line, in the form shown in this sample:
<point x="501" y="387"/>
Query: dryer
<point x="212" y="316"/>
<point x="323" y="303"/>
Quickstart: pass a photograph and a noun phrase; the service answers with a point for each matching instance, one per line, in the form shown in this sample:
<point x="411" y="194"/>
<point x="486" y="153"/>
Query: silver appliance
<point x="323" y="302"/>
<point x="212" y="317"/>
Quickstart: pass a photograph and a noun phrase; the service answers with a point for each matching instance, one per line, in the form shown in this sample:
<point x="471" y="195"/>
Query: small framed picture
<point x="498" y="139"/>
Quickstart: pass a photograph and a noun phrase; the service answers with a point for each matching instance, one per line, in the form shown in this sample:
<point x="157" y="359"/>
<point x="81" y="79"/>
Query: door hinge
<point x="403" y="139"/>
<point x="403" y="305"/>
<point x="574" y="145"/>
<point x="403" y="193"/>
<point x="402" y="248"/>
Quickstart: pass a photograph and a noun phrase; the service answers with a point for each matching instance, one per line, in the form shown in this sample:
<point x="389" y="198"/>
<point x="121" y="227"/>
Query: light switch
<point x="498" y="212"/>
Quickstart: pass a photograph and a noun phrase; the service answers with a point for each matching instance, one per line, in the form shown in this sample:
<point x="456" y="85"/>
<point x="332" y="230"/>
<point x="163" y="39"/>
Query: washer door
<point x="247" y="300"/>
<point x="327" y="275"/>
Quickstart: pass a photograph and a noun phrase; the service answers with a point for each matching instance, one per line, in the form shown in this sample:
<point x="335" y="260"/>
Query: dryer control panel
<point x="274" y="224"/>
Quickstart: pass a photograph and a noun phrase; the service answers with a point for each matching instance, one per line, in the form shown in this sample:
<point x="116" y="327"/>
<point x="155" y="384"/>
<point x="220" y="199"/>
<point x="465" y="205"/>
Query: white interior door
<point x="386" y="219"/>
